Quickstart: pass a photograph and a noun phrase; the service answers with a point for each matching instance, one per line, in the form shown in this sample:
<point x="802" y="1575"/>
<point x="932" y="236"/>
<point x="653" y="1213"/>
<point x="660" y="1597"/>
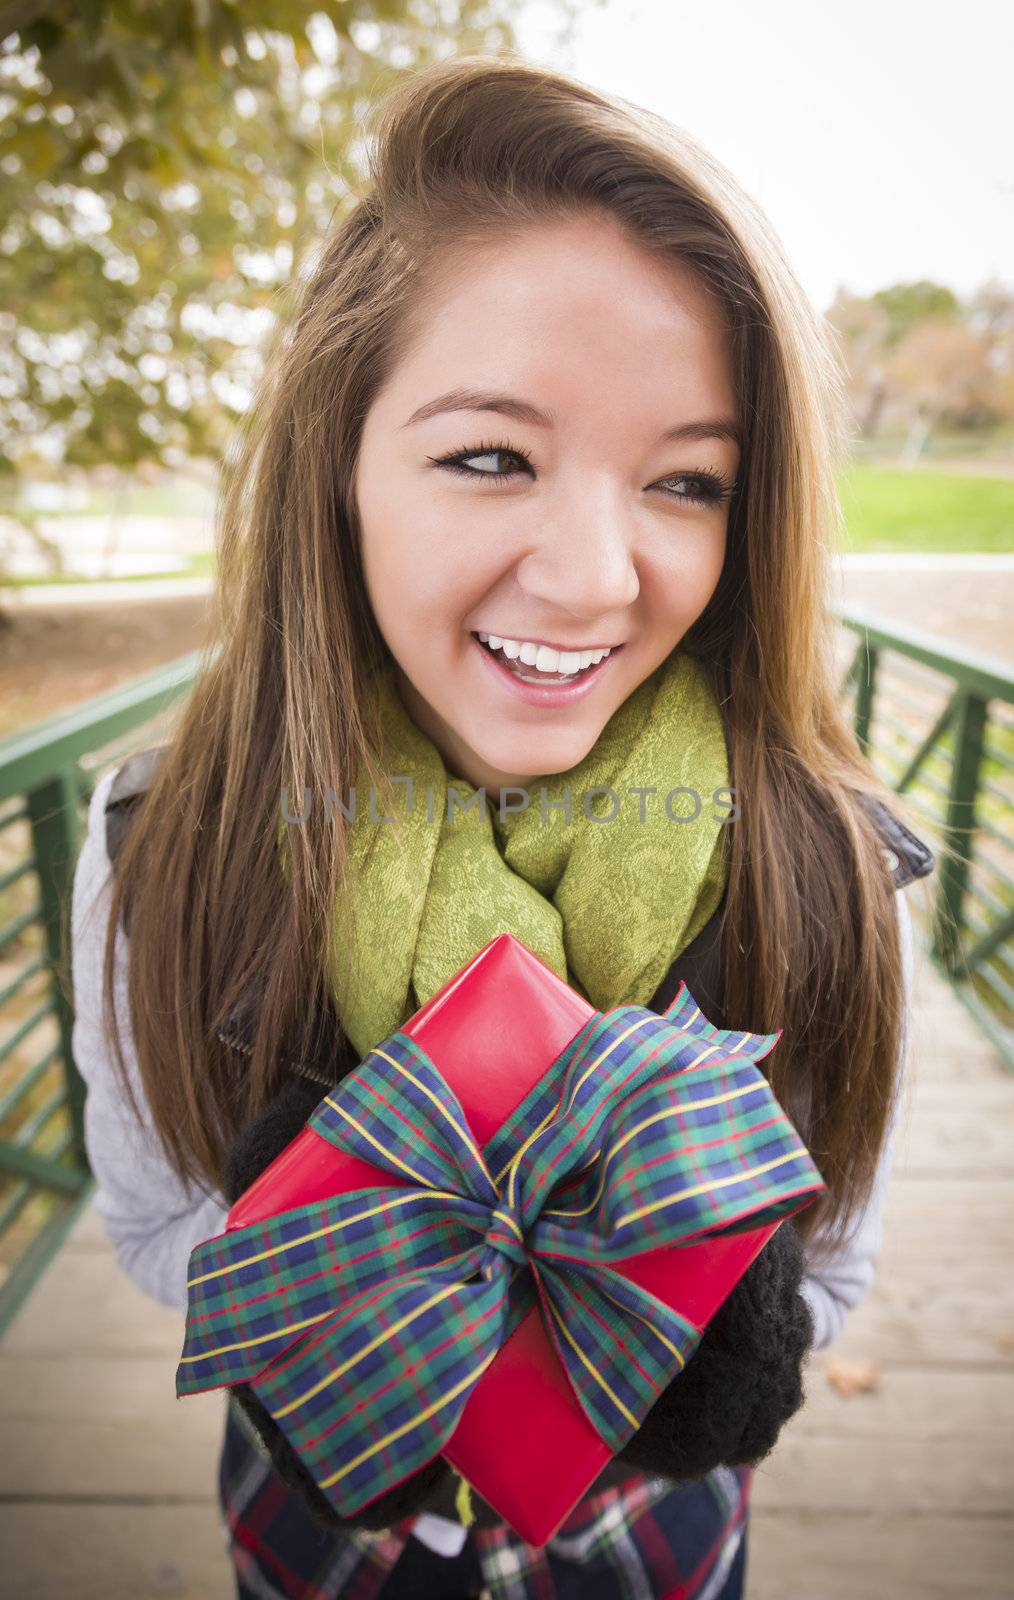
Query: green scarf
<point x="607" y="904"/>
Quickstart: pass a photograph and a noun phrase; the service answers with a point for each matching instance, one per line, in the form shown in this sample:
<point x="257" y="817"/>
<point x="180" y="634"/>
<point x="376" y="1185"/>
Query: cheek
<point x="396" y="546"/>
<point x="422" y="571"/>
<point x="688" y="575"/>
<point x="709" y="568"/>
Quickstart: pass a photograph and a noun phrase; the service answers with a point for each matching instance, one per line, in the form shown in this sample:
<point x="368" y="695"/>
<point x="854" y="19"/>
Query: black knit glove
<point x="744" y="1380"/>
<point x="727" y="1407"/>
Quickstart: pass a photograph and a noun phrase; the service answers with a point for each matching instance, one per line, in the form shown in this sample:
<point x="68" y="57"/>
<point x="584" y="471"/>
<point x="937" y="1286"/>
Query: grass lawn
<point x="890" y="509"/>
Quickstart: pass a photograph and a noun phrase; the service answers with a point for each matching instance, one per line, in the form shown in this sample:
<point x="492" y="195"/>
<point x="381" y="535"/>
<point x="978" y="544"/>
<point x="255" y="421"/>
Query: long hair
<point x="460" y="150"/>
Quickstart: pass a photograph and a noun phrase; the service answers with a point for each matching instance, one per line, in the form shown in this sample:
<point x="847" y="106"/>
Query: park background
<point x="166" y="175"/>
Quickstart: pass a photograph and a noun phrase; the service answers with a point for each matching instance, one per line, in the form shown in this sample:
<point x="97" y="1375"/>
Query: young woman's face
<point x="585" y="392"/>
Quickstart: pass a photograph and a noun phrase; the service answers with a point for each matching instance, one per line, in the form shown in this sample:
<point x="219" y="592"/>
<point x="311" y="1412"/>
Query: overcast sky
<point x="878" y="135"/>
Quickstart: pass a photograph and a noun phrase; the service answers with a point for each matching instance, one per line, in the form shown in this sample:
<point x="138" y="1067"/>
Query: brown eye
<point x="483" y="452"/>
<point x="699" y="488"/>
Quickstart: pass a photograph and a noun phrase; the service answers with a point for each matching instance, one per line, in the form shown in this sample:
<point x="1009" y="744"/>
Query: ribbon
<point x="364" y="1321"/>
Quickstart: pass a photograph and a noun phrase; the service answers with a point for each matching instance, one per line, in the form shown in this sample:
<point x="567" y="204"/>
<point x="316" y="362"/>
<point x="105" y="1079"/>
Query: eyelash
<point x="716" y="488"/>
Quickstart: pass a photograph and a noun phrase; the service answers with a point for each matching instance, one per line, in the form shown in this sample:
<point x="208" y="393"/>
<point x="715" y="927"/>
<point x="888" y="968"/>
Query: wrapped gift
<point x="499" y="1238"/>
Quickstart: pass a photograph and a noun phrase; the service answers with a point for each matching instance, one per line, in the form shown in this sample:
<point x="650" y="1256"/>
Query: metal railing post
<point x="867" y="660"/>
<point x="53" y="818"/>
<point x="958" y="829"/>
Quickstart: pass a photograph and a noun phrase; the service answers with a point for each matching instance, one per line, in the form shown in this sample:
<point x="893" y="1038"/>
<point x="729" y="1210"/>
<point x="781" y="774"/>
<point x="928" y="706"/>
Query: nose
<point x="583" y="563"/>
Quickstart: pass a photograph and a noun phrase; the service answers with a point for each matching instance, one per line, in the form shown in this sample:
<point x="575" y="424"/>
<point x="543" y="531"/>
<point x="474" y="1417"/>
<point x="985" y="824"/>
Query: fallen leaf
<point x="852" y="1377"/>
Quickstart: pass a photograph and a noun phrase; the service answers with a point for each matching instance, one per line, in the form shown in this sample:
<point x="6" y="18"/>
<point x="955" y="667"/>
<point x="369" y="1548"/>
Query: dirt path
<point x="972" y="609"/>
<point x="53" y="656"/>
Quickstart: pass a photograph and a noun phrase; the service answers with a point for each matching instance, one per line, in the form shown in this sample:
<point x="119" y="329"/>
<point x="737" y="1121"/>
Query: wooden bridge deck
<point x="107" y="1483"/>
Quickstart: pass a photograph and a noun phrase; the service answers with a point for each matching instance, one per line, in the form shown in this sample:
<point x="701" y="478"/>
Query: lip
<point x="548" y="694"/>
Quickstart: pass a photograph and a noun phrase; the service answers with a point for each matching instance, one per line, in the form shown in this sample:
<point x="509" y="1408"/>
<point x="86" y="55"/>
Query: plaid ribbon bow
<point x="365" y="1321"/>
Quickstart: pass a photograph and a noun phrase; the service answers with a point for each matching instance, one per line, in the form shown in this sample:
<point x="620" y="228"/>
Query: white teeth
<point x="542" y="656"/>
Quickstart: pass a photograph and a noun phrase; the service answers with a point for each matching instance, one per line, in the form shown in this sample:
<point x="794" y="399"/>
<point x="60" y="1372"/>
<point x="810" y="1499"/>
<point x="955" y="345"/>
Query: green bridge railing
<point x="47" y="775"/>
<point x="936" y="723"/>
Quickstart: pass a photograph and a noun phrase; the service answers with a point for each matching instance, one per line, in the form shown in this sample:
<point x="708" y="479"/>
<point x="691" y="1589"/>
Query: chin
<point x="540" y="758"/>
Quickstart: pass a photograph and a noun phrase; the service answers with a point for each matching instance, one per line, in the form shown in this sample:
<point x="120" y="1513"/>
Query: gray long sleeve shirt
<point x="154" y="1221"/>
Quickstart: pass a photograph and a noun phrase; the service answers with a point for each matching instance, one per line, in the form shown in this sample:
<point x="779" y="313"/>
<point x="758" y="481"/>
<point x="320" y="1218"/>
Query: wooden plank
<point x="967" y="1224"/>
<point x="116" y="1552"/>
<point x="945" y="1245"/>
<point x="954" y="1135"/>
<point x="944" y="1038"/>
<point x="833" y="1475"/>
<point x="116" y="1427"/>
<point x="942" y="1293"/>
<point x="881" y="1556"/>
<point x="920" y="1203"/>
<point x="946" y="1044"/>
<point x="895" y="1332"/>
<point x="958" y="1061"/>
<point x="929" y="1406"/>
<point x="88" y="1233"/>
<point x="85" y="1303"/>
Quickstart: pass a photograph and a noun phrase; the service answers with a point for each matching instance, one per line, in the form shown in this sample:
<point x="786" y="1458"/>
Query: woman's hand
<point x="743" y="1381"/>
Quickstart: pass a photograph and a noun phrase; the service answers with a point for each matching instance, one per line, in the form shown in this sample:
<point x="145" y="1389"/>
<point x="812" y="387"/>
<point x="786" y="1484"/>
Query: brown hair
<point x="810" y="936"/>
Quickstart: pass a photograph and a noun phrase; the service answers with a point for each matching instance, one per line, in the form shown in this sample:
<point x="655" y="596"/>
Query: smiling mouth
<point x="528" y="672"/>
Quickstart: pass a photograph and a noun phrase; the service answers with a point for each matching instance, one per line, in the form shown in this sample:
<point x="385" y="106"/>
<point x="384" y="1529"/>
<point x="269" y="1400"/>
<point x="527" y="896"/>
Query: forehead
<point x="573" y="299"/>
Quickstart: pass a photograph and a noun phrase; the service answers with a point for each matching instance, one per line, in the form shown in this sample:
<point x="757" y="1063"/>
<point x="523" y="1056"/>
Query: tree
<point x="917" y="355"/>
<point x="168" y="171"/>
<point x="862" y="327"/>
<point x="907" y="304"/>
<point x="991" y="313"/>
<point x="943" y="370"/>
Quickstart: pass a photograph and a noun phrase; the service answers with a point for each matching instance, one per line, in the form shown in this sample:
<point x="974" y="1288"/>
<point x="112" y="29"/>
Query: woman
<point x="536" y="494"/>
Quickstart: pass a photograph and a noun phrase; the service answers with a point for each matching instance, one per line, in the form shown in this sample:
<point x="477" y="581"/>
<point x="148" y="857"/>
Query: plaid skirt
<point x="643" y="1539"/>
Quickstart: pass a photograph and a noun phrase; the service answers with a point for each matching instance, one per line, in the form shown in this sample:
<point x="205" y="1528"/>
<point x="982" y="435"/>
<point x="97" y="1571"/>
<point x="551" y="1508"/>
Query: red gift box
<point x="522" y="1440"/>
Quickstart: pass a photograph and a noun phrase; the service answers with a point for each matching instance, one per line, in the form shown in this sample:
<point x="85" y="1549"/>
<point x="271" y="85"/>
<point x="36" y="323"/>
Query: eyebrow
<point x="507" y="405"/>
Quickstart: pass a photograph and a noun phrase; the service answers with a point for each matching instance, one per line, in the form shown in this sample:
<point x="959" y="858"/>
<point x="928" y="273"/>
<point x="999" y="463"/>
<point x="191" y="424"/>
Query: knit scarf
<point x="608" y="899"/>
